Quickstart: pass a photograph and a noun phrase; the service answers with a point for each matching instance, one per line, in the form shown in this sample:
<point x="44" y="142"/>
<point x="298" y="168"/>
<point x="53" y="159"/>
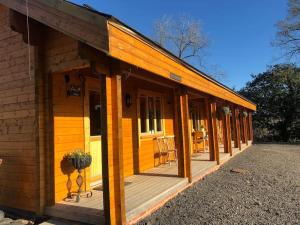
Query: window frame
<point x="89" y="91"/>
<point x="146" y="94"/>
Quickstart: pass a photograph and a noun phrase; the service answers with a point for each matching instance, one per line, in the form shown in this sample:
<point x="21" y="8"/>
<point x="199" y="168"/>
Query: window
<point x="95" y="113"/>
<point x="150" y="114"/>
<point x="195" y="116"/>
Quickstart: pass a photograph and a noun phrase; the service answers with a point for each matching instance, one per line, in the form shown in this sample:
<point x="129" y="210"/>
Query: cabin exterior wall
<point x="17" y="119"/>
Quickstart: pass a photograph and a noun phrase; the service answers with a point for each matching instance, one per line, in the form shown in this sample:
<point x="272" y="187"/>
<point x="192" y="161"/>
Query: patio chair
<point x="199" y="140"/>
<point x="166" y="148"/>
<point x="171" y="148"/>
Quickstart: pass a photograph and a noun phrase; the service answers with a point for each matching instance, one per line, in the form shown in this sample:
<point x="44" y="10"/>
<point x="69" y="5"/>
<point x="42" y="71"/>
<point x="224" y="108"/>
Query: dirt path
<point x="268" y="193"/>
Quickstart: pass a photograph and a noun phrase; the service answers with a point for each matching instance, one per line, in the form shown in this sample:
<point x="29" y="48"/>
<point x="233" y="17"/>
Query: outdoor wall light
<point x="128" y="100"/>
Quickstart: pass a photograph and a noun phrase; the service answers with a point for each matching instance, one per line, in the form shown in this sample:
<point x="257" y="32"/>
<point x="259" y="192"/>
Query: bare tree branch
<point x="181" y="35"/>
<point x="288" y="34"/>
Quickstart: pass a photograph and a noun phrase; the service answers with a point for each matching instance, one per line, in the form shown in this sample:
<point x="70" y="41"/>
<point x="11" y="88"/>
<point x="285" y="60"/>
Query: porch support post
<point x="237" y="130"/>
<point x="234" y="128"/>
<point x="211" y="107"/>
<point x="112" y="148"/>
<point x="245" y="136"/>
<point x="225" y="133"/>
<point x="241" y="120"/>
<point x="250" y="126"/>
<point x="184" y="155"/>
<point x="228" y="124"/>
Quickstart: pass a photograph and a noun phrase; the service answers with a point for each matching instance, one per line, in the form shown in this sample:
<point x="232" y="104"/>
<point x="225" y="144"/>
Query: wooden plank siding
<point x="128" y="47"/>
<point x="18" y="173"/>
<point x="60" y="54"/>
<point x="77" y="23"/>
<point x="139" y="153"/>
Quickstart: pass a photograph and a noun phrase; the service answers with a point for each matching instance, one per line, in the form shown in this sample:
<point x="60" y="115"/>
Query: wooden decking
<point x="142" y="191"/>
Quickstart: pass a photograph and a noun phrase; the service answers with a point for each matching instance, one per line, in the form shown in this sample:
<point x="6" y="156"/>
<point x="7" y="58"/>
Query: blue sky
<point x="240" y="31"/>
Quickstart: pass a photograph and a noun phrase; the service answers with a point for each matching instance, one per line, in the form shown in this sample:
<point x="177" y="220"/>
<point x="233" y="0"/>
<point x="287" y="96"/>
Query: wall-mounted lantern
<point x="128" y="100"/>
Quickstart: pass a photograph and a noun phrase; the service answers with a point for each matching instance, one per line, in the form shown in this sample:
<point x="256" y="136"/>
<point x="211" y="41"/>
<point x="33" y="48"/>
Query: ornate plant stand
<point x="80" y="193"/>
<point x="80" y="161"/>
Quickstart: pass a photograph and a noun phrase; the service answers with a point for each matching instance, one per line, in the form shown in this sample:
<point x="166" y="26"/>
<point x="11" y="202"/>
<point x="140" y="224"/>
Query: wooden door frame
<point x="86" y="117"/>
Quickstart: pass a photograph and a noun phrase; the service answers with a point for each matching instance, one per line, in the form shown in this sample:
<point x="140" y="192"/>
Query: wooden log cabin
<point x="72" y="79"/>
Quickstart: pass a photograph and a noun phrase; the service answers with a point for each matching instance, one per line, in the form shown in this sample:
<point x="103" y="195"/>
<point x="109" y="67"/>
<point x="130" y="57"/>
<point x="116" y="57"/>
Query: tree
<point x="277" y="95"/>
<point x="288" y="35"/>
<point x="182" y="35"/>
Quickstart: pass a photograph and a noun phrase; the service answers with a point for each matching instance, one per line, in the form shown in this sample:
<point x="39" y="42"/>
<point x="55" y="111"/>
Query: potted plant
<point x="80" y="160"/>
<point x="226" y="110"/>
<point x="245" y="114"/>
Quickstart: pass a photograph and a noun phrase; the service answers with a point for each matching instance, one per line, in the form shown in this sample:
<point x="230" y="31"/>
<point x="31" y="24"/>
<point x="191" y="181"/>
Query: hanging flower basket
<point x="80" y="160"/>
<point x="226" y="110"/>
<point x="245" y="114"/>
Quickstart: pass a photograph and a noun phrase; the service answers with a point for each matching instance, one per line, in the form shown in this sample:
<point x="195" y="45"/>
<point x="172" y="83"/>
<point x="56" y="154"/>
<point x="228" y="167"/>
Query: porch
<point x="142" y="192"/>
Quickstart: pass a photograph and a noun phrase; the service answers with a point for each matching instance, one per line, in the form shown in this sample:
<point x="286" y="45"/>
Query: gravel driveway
<point x="268" y="193"/>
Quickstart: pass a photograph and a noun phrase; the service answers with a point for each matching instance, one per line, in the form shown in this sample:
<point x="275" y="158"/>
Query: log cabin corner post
<point x="184" y="156"/>
<point x="213" y="132"/>
<point x="112" y="147"/>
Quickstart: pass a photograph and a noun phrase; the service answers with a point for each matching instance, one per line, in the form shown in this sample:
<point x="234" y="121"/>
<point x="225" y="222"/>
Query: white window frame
<point x="147" y="95"/>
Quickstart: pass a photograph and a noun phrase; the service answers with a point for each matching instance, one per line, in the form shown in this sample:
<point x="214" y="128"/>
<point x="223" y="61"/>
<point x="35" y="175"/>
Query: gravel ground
<point x="268" y="193"/>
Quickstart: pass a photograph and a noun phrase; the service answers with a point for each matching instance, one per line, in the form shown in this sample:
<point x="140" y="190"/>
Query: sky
<point x="240" y="32"/>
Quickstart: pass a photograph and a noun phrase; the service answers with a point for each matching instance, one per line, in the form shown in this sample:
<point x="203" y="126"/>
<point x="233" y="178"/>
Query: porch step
<point x="78" y="214"/>
<point x="148" y="204"/>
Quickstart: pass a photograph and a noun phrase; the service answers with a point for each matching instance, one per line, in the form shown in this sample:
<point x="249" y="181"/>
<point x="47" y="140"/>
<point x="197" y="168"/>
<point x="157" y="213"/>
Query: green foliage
<point x="277" y="95"/>
<point x="79" y="159"/>
<point x="226" y="110"/>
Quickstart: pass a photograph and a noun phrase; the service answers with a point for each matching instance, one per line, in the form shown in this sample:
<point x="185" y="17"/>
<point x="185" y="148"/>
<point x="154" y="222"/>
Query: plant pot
<point x="81" y="163"/>
<point x="226" y="110"/>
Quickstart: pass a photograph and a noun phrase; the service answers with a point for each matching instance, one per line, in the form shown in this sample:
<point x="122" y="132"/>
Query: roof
<point x="150" y="41"/>
<point x="91" y="17"/>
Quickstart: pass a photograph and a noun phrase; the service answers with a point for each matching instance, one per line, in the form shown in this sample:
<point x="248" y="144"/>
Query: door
<point x="93" y="128"/>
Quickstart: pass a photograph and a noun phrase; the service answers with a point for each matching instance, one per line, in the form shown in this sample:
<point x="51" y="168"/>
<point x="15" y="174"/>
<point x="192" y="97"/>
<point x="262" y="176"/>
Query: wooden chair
<point x="166" y="148"/>
<point x="171" y="146"/>
<point x="198" y="140"/>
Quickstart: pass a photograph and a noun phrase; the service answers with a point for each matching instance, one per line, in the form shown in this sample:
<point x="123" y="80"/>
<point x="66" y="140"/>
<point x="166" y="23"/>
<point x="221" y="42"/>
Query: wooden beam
<point x="78" y="23"/>
<point x="184" y="156"/>
<point x="17" y="22"/>
<point x="112" y="148"/>
<point x="211" y="107"/>
<point x="245" y="130"/>
<point x="251" y="126"/>
<point x="177" y="131"/>
<point x="234" y="127"/>
<point x="225" y="133"/>
<point x="238" y="128"/>
<point x="229" y="134"/>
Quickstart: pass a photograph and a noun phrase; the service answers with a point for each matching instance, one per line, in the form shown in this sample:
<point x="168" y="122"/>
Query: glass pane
<point x="95" y="113"/>
<point x="158" y="114"/>
<point x="194" y="122"/>
<point x="143" y="114"/>
<point x="151" y="114"/>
